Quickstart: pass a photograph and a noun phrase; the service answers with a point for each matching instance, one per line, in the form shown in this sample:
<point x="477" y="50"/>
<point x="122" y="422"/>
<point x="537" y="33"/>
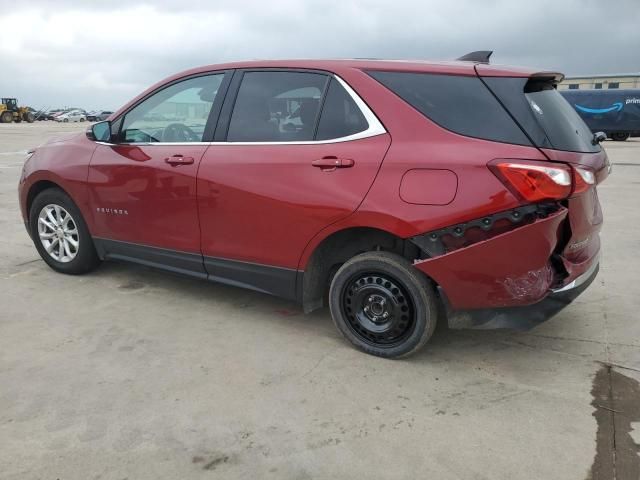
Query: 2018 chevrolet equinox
<point x="398" y="192"/>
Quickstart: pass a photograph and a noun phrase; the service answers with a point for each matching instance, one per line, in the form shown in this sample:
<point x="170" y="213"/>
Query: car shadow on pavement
<point x="131" y="279"/>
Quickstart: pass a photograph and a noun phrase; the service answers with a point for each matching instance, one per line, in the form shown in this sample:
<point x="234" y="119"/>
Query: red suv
<point x="400" y="193"/>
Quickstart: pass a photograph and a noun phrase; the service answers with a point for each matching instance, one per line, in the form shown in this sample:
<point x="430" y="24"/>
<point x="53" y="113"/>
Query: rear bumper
<point x="586" y="278"/>
<point x="527" y="317"/>
<point x="508" y="270"/>
<point x="516" y="279"/>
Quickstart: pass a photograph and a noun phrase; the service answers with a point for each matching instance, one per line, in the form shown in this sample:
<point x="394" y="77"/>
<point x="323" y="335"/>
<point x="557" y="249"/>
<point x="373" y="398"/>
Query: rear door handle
<point x="176" y="160"/>
<point x="331" y="162"/>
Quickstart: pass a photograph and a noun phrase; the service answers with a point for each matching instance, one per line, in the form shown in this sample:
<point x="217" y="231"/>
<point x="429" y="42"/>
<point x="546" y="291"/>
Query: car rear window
<point x="543" y="113"/>
<point x="461" y="104"/>
<point x="563" y="126"/>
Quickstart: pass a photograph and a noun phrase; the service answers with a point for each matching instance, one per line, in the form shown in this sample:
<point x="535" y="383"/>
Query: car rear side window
<point x="461" y="104"/>
<point x="340" y="115"/>
<point x="277" y="107"/>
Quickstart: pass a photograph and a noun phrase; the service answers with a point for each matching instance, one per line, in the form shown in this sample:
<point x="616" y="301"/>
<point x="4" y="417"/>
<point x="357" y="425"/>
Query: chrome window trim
<point x="375" y="128"/>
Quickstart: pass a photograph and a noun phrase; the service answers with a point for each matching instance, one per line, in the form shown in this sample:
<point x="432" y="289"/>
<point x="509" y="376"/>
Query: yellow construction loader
<point x="10" y="112"/>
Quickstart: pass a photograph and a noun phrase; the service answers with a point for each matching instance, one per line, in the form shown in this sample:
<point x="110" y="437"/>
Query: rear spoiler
<point x="482" y="57"/>
<point x="553" y="77"/>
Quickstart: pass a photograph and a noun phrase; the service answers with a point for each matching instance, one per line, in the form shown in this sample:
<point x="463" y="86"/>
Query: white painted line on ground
<point x="21" y="152"/>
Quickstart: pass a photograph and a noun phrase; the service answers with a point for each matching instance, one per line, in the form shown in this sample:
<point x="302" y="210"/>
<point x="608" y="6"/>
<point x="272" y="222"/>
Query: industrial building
<point x="612" y="80"/>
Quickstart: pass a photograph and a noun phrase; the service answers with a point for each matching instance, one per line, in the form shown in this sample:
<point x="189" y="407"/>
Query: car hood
<point x="63" y="138"/>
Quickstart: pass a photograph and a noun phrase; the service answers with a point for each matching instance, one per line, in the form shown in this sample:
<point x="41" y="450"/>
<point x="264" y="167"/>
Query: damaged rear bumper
<point x="527" y="317"/>
<point x="514" y="279"/>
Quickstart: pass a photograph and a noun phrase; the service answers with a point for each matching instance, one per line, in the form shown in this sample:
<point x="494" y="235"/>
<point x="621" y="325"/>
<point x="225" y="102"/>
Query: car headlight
<point x="30" y="153"/>
<point x="24" y="165"/>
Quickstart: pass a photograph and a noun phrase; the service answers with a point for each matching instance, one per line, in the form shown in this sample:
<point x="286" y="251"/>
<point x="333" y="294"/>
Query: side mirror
<point x="598" y="137"/>
<point x="99" y="132"/>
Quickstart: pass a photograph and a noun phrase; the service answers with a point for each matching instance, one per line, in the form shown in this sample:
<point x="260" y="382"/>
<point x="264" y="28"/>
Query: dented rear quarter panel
<point x="585" y="217"/>
<point x="510" y="269"/>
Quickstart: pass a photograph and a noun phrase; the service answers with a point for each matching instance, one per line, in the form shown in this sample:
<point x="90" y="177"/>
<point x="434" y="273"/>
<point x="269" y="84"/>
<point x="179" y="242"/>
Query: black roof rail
<point x="481" y="56"/>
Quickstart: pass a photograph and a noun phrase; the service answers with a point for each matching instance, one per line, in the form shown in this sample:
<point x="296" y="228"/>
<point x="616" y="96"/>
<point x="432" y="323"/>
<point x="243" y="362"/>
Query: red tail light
<point x="583" y="179"/>
<point x="534" y="181"/>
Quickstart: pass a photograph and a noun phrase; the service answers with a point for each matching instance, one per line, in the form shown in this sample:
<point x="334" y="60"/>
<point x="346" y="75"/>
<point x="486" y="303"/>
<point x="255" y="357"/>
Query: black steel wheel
<point x="383" y="305"/>
<point x="378" y="308"/>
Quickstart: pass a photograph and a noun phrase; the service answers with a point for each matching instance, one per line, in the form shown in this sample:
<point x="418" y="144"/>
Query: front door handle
<point x="176" y="160"/>
<point x="332" y="162"/>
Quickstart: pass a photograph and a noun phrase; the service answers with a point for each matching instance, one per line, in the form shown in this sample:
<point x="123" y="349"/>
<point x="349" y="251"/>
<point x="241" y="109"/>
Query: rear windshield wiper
<point x="598" y="137"/>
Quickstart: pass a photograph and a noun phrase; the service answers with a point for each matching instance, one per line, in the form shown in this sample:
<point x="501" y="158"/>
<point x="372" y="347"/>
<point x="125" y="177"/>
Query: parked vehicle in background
<point x="40" y="115"/>
<point x="98" y="115"/>
<point x="614" y="112"/>
<point x="399" y="192"/>
<point x="72" y="116"/>
<point x="91" y="115"/>
<point x="104" y="115"/>
<point x="52" y="114"/>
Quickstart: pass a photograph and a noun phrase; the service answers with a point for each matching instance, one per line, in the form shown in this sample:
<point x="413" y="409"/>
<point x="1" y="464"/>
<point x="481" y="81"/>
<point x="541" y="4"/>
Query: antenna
<point x="480" y="56"/>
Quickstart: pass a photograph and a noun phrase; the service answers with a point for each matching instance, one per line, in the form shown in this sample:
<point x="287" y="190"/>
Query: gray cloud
<point x="99" y="54"/>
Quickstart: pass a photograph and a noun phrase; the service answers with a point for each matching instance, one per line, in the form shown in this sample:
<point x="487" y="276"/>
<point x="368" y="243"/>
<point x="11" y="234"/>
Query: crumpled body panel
<point x="510" y="269"/>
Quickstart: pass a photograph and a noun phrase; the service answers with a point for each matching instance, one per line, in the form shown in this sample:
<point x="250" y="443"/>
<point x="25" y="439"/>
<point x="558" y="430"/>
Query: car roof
<point x="467" y="68"/>
<point x="425" y="66"/>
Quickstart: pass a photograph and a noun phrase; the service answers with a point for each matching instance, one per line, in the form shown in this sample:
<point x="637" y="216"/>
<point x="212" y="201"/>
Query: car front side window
<point x="175" y="114"/>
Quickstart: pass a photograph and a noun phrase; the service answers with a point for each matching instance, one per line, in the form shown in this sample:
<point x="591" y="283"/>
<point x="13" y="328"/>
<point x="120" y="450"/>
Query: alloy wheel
<point x="58" y="233"/>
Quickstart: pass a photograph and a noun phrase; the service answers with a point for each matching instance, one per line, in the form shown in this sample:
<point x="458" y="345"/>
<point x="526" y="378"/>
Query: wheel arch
<point x="38" y="187"/>
<point x="338" y="247"/>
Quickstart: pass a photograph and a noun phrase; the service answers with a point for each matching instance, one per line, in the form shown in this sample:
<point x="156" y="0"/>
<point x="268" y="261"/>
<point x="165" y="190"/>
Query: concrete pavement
<point x="132" y="373"/>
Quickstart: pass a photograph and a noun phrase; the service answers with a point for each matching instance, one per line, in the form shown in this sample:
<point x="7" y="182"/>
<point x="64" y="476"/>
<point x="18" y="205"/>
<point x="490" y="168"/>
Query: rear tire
<point x="60" y="234"/>
<point x="619" y="136"/>
<point x="383" y="305"/>
<point x="6" y="117"/>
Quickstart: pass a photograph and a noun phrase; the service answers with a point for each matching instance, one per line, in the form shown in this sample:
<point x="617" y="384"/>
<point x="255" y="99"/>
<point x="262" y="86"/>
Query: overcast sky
<point x="98" y="54"/>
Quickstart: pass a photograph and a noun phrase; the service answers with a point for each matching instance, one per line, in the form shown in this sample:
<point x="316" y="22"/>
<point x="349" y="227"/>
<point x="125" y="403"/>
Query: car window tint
<point x="562" y="124"/>
<point x="458" y="103"/>
<point x="276" y="107"/>
<point x="175" y="114"/>
<point x="340" y="116"/>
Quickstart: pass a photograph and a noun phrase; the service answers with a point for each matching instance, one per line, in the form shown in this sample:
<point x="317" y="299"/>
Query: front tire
<point x="60" y="234"/>
<point x="383" y="305"/>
